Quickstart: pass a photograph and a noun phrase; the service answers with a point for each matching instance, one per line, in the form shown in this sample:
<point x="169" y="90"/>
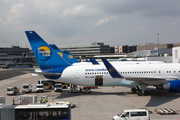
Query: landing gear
<point x="146" y="93"/>
<point x="139" y="91"/>
<point x="133" y="90"/>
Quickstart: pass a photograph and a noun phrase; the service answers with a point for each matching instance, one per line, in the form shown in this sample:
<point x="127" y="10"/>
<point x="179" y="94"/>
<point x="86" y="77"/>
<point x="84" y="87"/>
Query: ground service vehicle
<point x="12" y="90"/>
<point x="47" y="84"/>
<point x="26" y="88"/>
<point x="39" y="88"/>
<point x="58" y="87"/>
<point x="133" y="114"/>
<point x="36" y="112"/>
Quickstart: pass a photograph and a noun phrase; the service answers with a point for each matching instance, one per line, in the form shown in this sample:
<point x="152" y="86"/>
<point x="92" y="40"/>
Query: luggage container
<point x="27" y="99"/>
<point x="2" y="100"/>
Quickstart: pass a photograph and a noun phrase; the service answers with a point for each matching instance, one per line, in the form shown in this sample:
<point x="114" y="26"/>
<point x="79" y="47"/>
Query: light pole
<point x="157" y="44"/>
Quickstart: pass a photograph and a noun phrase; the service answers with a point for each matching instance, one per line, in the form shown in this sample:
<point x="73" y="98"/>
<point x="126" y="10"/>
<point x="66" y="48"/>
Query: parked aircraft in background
<point x="4" y="66"/>
<point x="164" y="76"/>
<point x="93" y="61"/>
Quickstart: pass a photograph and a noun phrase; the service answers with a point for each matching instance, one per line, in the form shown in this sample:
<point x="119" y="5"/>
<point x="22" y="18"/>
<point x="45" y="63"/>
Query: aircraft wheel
<point x="140" y="93"/>
<point x="133" y="89"/>
<point x="146" y="93"/>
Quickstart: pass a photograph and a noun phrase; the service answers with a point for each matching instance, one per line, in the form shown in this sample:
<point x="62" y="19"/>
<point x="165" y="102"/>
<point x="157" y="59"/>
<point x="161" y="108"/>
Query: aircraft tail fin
<point x="64" y="56"/>
<point x="46" y="57"/>
<point x="70" y="56"/>
<point x="94" y="62"/>
<point x="112" y="71"/>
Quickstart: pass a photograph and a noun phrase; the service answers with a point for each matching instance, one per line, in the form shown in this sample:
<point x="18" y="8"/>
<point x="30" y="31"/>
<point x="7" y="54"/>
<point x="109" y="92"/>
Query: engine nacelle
<point x="171" y="86"/>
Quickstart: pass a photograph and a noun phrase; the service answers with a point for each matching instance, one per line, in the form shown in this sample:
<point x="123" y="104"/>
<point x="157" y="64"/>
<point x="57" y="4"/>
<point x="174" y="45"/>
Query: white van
<point x="39" y="88"/>
<point x="26" y="88"/>
<point x="58" y="87"/>
<point x="133" y="114"/>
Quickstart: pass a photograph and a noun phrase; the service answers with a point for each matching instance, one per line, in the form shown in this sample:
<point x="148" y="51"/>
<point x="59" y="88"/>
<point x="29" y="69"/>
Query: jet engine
<point x="171" y="86"/>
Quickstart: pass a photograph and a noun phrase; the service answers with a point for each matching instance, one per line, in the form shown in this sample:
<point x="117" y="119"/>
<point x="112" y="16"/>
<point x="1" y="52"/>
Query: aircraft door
<point x="98" y="80"/>
<point x="76" y="74"/>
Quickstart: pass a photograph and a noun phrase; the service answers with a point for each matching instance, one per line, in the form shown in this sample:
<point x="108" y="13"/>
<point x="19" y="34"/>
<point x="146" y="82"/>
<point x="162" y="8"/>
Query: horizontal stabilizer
<point x="43" y="73"/>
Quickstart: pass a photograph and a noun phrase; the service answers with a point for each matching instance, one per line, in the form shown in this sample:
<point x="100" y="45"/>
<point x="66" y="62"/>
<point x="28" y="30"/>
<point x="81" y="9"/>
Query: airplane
<point x="64" y="56"/>
<point x="52" y="66"/>
<point x="4" y="66"/>
<point x="163" y="76"/>
<point x="68" y="56"/>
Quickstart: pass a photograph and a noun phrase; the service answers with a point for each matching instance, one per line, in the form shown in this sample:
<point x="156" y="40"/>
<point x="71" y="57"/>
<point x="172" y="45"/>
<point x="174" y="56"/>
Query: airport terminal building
<point x="87" y="51"/>
<point x="16" y="57"/>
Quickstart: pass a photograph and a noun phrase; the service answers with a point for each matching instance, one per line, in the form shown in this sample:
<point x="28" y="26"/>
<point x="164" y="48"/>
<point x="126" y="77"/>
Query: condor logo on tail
<point x="43" y="53"/>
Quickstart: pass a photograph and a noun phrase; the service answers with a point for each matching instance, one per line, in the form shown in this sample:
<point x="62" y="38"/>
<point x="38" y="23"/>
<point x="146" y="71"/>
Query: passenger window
<point x="142" y="113"/>
<point x="126" y="114"/>
<point x="133" y="114"/>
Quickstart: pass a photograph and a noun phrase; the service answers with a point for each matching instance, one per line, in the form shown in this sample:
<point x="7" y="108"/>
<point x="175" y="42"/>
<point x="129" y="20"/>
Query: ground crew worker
<point x="126" y="114"/>
<point x="13" y="101"/>
<point x="44" y="100"/>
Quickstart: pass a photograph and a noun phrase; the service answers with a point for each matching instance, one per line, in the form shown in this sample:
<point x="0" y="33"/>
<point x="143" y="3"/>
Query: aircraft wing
<point x="151" y="80"/>
<point x="51" y="74"/>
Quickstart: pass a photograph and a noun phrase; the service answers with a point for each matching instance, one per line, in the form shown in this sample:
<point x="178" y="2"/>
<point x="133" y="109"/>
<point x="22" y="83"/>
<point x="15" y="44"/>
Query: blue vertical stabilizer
<point x="70" y="56"/>
<point x="46" y="57"/>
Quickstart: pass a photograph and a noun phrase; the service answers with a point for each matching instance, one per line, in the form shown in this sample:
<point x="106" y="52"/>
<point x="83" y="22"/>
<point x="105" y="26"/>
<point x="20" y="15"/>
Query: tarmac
<point x="101" y="104"/>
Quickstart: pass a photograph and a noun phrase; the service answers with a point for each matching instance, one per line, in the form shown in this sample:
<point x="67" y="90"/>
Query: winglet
<point x="112" y="71"/>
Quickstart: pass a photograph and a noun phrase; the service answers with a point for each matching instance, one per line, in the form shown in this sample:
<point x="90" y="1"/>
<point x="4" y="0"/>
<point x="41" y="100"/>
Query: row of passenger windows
<point x="92" y="73"/>
<point x="172" y="72"/>
<point x="138" y="72"/>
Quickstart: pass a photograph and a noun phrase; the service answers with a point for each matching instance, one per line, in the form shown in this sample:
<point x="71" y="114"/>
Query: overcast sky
<point x="114" y="22"/>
